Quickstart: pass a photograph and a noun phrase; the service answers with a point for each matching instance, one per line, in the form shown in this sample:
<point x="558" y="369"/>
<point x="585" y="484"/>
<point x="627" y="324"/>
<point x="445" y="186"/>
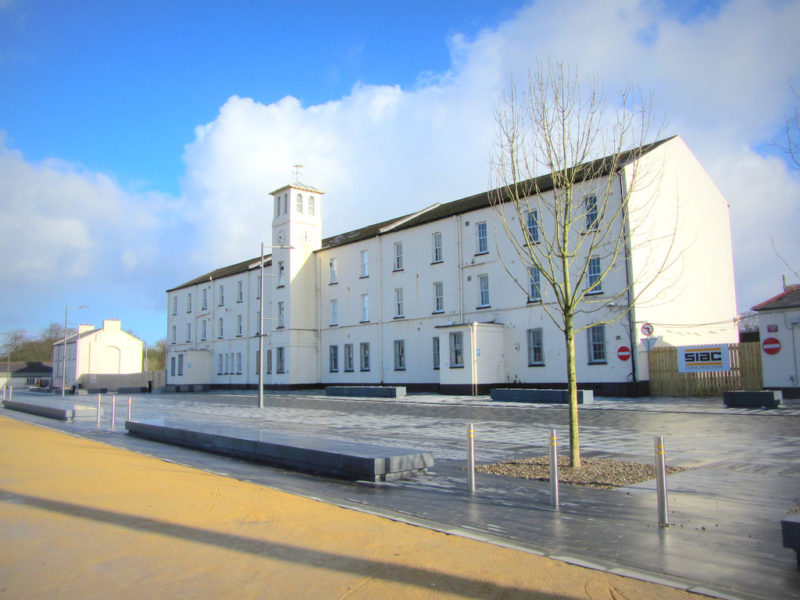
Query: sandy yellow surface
<point x="80" y="519"/>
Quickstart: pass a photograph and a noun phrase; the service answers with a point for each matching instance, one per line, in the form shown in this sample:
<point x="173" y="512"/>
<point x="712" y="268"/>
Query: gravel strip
<point x="594" y="472"/>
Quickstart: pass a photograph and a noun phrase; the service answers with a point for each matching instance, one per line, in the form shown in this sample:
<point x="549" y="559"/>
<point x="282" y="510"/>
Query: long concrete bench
<point x="759" y="399"/>
<point x="348" y="460"/>
<point x="52" y="410"/>
<point x="539" y="396"/>
<point x="366" y="391"/>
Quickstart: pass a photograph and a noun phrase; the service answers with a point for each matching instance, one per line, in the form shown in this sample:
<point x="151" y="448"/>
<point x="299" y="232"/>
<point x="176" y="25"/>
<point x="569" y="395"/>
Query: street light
<point x="64" y="353"/>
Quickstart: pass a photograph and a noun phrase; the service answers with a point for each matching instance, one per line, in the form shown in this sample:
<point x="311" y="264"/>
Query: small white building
<point x="779" y="330"/>
<point x="105" y="351"/>
<point x="426" y="300"/>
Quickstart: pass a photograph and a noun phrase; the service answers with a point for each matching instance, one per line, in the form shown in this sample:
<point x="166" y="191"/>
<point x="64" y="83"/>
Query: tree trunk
<point x="572" y="387"/>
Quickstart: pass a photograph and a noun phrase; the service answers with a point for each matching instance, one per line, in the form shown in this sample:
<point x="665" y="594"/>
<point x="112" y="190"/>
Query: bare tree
<point x="565" y="212"/>
<point x="791" y="146"/>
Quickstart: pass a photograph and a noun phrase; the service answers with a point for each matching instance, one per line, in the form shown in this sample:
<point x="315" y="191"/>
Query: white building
<point x="426" y="300"/>
<point x="779" y="329"/>
<point x="104" y="351"/>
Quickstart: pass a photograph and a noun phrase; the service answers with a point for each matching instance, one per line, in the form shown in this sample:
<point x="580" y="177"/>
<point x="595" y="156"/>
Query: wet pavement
<point x="725" y="512"/>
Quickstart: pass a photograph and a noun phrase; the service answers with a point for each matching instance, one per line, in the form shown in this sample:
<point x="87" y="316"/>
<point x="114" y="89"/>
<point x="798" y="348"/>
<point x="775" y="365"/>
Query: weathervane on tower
<point x="297" y="169"/>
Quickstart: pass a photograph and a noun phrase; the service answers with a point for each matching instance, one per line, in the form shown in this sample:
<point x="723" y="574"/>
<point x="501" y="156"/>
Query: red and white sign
<point x="771" y="345"/>
<point x="623" y="353"/>
<point x="647" y="329"/>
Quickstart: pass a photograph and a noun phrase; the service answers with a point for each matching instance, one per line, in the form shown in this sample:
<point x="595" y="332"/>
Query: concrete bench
<point x="790" y="530"/>
<point x="539" y="396"/>
<point x="348" y="460"/>
<point x="366" y="391"/>
<point x="70" y="412"/>
<point x="761" y="399"/>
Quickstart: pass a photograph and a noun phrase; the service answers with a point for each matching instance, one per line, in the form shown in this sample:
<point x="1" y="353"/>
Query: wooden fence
<point x="745" y="373"/>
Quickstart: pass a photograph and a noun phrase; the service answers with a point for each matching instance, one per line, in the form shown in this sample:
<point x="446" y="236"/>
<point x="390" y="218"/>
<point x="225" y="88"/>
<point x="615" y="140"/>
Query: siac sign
<point x="703" y="359"/>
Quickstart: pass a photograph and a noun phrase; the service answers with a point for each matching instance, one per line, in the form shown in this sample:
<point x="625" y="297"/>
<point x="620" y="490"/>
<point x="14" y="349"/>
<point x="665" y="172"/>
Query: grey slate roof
<point x="27" y="368"/>
<point x="241" y="267"/>
<point x="789" y="298"/>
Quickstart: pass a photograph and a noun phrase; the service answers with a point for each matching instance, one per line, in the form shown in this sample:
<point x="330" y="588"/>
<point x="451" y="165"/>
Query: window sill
<point x="396" y="369"/>
<point x="363" y="276"/>
<point x="483" y="307"/>
<point x="333" y="325"/>
<point x="435" y="368"/>
<point x="348" y="370"/>
<point x="396" y="317"/>
<point x="534" y="300"/>
<point x="438" y="312"/>
<point x="598" y="362"/>
<point x="482" y="253"/>
<point x="456" y="366"/>
<point x="367" y="321"/>
<point x="364" y="370"/>
<point x="437" y="262"/>
<point x="281" y="327"/>
<point x="280" y="286"/>
<point x="334" y="283"/>
<point x="537" y="364"/>
<point x="594" y="293"/>
<point x="239" y="301"/>
<point x="397" y="270"/>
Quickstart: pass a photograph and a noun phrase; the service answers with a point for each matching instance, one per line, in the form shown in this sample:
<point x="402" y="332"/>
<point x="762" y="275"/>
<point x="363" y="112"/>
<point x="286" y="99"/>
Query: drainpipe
<point x="380" y="306"/>
<point x="460" y="274"/>
<point x="473" y="329"/>
<point x="792" y="324"/>
<point x="631" y="331"/>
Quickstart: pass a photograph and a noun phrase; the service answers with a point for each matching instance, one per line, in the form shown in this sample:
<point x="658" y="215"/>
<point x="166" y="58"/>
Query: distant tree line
<point x="20" y="346"/>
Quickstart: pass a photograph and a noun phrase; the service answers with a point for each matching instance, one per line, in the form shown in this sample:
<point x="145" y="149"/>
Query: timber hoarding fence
<point x="744" y="373"/>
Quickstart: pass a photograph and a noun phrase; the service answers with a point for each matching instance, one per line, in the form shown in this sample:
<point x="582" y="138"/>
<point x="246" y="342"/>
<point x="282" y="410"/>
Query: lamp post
<point x="64" y="353"/>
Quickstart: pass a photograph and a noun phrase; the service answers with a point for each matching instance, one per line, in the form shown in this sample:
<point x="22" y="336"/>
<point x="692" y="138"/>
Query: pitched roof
<point x="592" y="169"/>
<point x="26" y="367"/>
<point x="240" y="267"/>
<point x="789" y="298"/>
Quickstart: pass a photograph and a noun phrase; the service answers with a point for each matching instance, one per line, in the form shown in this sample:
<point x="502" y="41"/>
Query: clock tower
<point x="296" y="234"/>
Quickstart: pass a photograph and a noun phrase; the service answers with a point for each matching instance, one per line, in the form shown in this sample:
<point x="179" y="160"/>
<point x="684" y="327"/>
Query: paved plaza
<point x="725" y="511"/>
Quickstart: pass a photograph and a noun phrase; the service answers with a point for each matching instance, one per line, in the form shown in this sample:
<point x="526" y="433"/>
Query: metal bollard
<point x="130" y="408"/>
<point x="113" y="411"/>
<point x="554" y="468"/>
<point x="471" y="458"/>
<point x="98" y="410"/>
<point x="661" y="482"/>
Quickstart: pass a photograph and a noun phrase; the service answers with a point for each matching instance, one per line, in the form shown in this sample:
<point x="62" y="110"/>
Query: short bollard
<point x="99" y="397"/>
<point x="471" y="458"/>
<point x="661" y="482"/>
<point x="130" y="408"/>
<point x="113" y="411"/>
<point x="554" y="468"/>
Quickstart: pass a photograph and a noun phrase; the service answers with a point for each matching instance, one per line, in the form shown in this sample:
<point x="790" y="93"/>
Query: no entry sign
<point x="623" y="353"/>
<point x="771" y="345"/>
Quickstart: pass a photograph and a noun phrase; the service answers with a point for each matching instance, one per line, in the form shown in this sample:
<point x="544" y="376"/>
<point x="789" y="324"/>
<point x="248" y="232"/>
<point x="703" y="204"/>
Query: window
<point x="259" y="322"/>
<point x="281" y="272"/>
<point x="278" y="206"/>
<point x="219" y="328"/>
<point x="281" y="314"/>
<point x="239" y="328"/>
<point x="269" y="362"/>
<point x="590" y="204"/>
<point x="436" y="353"/>
<point x="456" y="349"/>
<point x="348" y="357"/>
<point x="172" y="366"/>
<point x="258" y="362"/>
<point x="483" y="240"/>
<point x="364" y="263"/>
<point x="399" y="355"/>
<point x="188" y="303"/>
<point x="333" y="270"/>
<point x="438" y="297"/>
<point x="398" y="256"/>
<point x="299" y="204"/>
<point x="437" y="247"/>
<point x="227" y="363"/>
<point x="333" y="358"/>
<point x="222" y="295"/>
<point x="532" y="223"/>
<point x="364" y="308"/>
<point x="594" y="283"/>
<point x="334" y="312"/>
<point x="174" y="305"/>
<point x="535" y="348"/>
<point x="180" y="364"/>
<point x="188" y="332"/>
<point x="204" y="329"/>
<point x="398" y="302"/>
<point x="219" y="364"/>
<point x="174" y="334"/>
<point x="483" y="290"/>
<point x="280" y="366"/>
<point x="286" y="204"/>
<point x="205" y="298"/>
<point x="597" y="344"/>
<point x="364" y="351"/>
<point x="311" y="205"/>
<point x="258" y="288"/>
<point x="238" y="363"/>
<point x="534" y="291"/>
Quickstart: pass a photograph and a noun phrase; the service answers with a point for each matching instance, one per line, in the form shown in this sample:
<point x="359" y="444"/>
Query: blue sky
<point x="138" y="139"/>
